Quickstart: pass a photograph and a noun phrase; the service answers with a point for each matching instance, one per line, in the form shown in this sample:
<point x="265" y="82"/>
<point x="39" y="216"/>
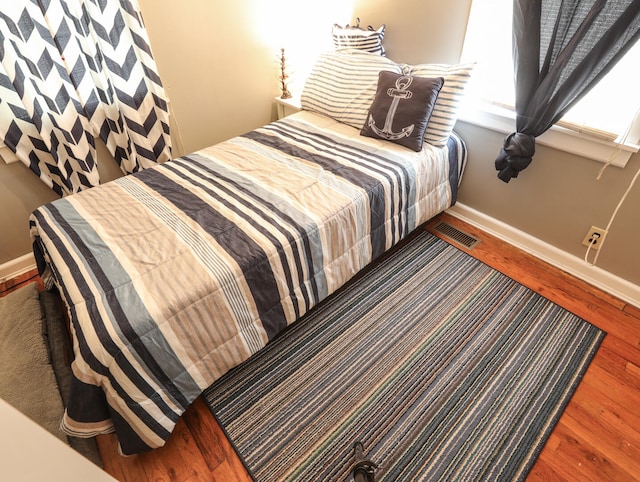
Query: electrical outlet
<point x="594" y="238"/>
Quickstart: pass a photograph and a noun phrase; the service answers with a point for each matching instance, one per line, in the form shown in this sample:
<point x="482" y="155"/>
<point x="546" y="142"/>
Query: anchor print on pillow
<point x="401" y="108"/>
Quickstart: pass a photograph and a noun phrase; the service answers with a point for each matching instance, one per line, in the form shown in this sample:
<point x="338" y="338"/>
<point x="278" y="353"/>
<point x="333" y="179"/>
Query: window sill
<point x="503" y="121"/>
<point x="7" y="154"/>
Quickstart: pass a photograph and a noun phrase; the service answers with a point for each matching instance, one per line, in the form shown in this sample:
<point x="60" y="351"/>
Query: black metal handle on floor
<point x="363" y="470"/>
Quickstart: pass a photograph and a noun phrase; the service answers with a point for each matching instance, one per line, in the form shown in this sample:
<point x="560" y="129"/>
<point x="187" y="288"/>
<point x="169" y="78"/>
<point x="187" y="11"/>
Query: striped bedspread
<point x="175" y="274"/>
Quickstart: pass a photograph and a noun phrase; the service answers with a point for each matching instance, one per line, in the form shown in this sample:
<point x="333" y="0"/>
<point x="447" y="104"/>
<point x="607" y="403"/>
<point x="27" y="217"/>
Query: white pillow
<point x="445" y="112"/>
<point x="342" y="85"/>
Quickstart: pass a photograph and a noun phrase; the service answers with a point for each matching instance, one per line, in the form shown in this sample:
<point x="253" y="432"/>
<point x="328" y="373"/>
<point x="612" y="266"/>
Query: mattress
<point x="176" y="274"/>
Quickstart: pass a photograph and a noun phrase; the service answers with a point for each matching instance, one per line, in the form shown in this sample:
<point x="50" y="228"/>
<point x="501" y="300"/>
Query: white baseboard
<point x="614" y="285"/>
<point x="16" y="267"/>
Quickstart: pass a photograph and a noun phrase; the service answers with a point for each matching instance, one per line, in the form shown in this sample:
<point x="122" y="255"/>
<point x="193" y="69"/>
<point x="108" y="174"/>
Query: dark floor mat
<point x="55" y="330"/>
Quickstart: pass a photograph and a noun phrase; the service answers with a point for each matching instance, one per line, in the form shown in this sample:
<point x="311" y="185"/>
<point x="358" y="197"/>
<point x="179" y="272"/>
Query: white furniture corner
<point x="287" y="107"/>
<point x="29" y="453"/>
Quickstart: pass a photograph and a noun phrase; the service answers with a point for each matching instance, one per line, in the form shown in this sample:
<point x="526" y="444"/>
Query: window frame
<point x="503" y="120"/>
<point x="7" y="154"/>
<point x="499" y="118"/>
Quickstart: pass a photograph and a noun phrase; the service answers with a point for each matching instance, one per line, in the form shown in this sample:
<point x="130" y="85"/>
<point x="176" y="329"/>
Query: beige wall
<point x="21" y="192"/>
<point x="219" y="60"/>
<point x="218" y="73"/>
<point x="557" y="199"/>
<point x="221" y="78"/>
<point x="15" y="207"/>
<point x="418" y="31"/>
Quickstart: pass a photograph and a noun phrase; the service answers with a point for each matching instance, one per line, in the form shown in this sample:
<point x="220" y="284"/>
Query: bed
<point x="174" y="275"/>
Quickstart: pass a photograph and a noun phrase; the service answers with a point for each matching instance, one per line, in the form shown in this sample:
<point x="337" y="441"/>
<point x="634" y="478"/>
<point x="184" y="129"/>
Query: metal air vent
<point x="455" y="235"/>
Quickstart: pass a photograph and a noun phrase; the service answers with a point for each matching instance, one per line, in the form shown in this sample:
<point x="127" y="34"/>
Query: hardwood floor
<point x="598" y="435"/>
<point x="12" y="284"/>
<point x="596" y="439"/>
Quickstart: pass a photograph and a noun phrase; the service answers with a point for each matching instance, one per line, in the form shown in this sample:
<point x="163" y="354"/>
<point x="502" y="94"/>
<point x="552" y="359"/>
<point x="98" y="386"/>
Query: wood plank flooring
<point x="596" y="439"/>
<point x="598" y="435"/>
<point x="12" y="284"/>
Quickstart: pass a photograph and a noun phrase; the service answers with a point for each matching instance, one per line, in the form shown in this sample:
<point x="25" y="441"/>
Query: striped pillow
<point x="342" y="85"/>
<point x="369" y="40"/>
<point x="445" y="112"/>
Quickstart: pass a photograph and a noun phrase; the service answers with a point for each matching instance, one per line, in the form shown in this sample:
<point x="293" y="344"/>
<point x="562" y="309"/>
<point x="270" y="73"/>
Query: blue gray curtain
<point x="72" y="71"/>
<point x="561" y="48"/>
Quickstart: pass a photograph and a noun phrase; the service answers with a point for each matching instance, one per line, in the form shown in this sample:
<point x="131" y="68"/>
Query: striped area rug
<point x="441" y="366"/>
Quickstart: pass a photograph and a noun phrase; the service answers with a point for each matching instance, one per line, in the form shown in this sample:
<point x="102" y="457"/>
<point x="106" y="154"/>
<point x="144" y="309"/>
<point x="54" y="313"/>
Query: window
<point x="604" y="125"/>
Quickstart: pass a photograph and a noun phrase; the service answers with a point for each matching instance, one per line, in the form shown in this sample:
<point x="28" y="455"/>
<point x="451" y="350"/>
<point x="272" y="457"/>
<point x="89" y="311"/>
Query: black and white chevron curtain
<point x="72" y="71"/>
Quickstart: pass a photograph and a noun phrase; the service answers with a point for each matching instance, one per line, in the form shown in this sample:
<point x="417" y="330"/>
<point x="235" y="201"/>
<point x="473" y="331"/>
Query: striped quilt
<point x="175" y="274"/>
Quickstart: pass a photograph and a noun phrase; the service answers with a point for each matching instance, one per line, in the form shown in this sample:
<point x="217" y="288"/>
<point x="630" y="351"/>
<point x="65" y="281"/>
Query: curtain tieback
<point x="515" y="155"/>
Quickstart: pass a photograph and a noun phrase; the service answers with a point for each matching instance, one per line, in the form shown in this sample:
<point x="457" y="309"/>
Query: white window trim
<point x="502" y="120"/>
<point x="7" y="154"/>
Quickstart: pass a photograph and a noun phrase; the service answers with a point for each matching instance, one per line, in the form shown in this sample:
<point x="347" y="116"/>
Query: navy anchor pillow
<point x="401" y="108"/>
